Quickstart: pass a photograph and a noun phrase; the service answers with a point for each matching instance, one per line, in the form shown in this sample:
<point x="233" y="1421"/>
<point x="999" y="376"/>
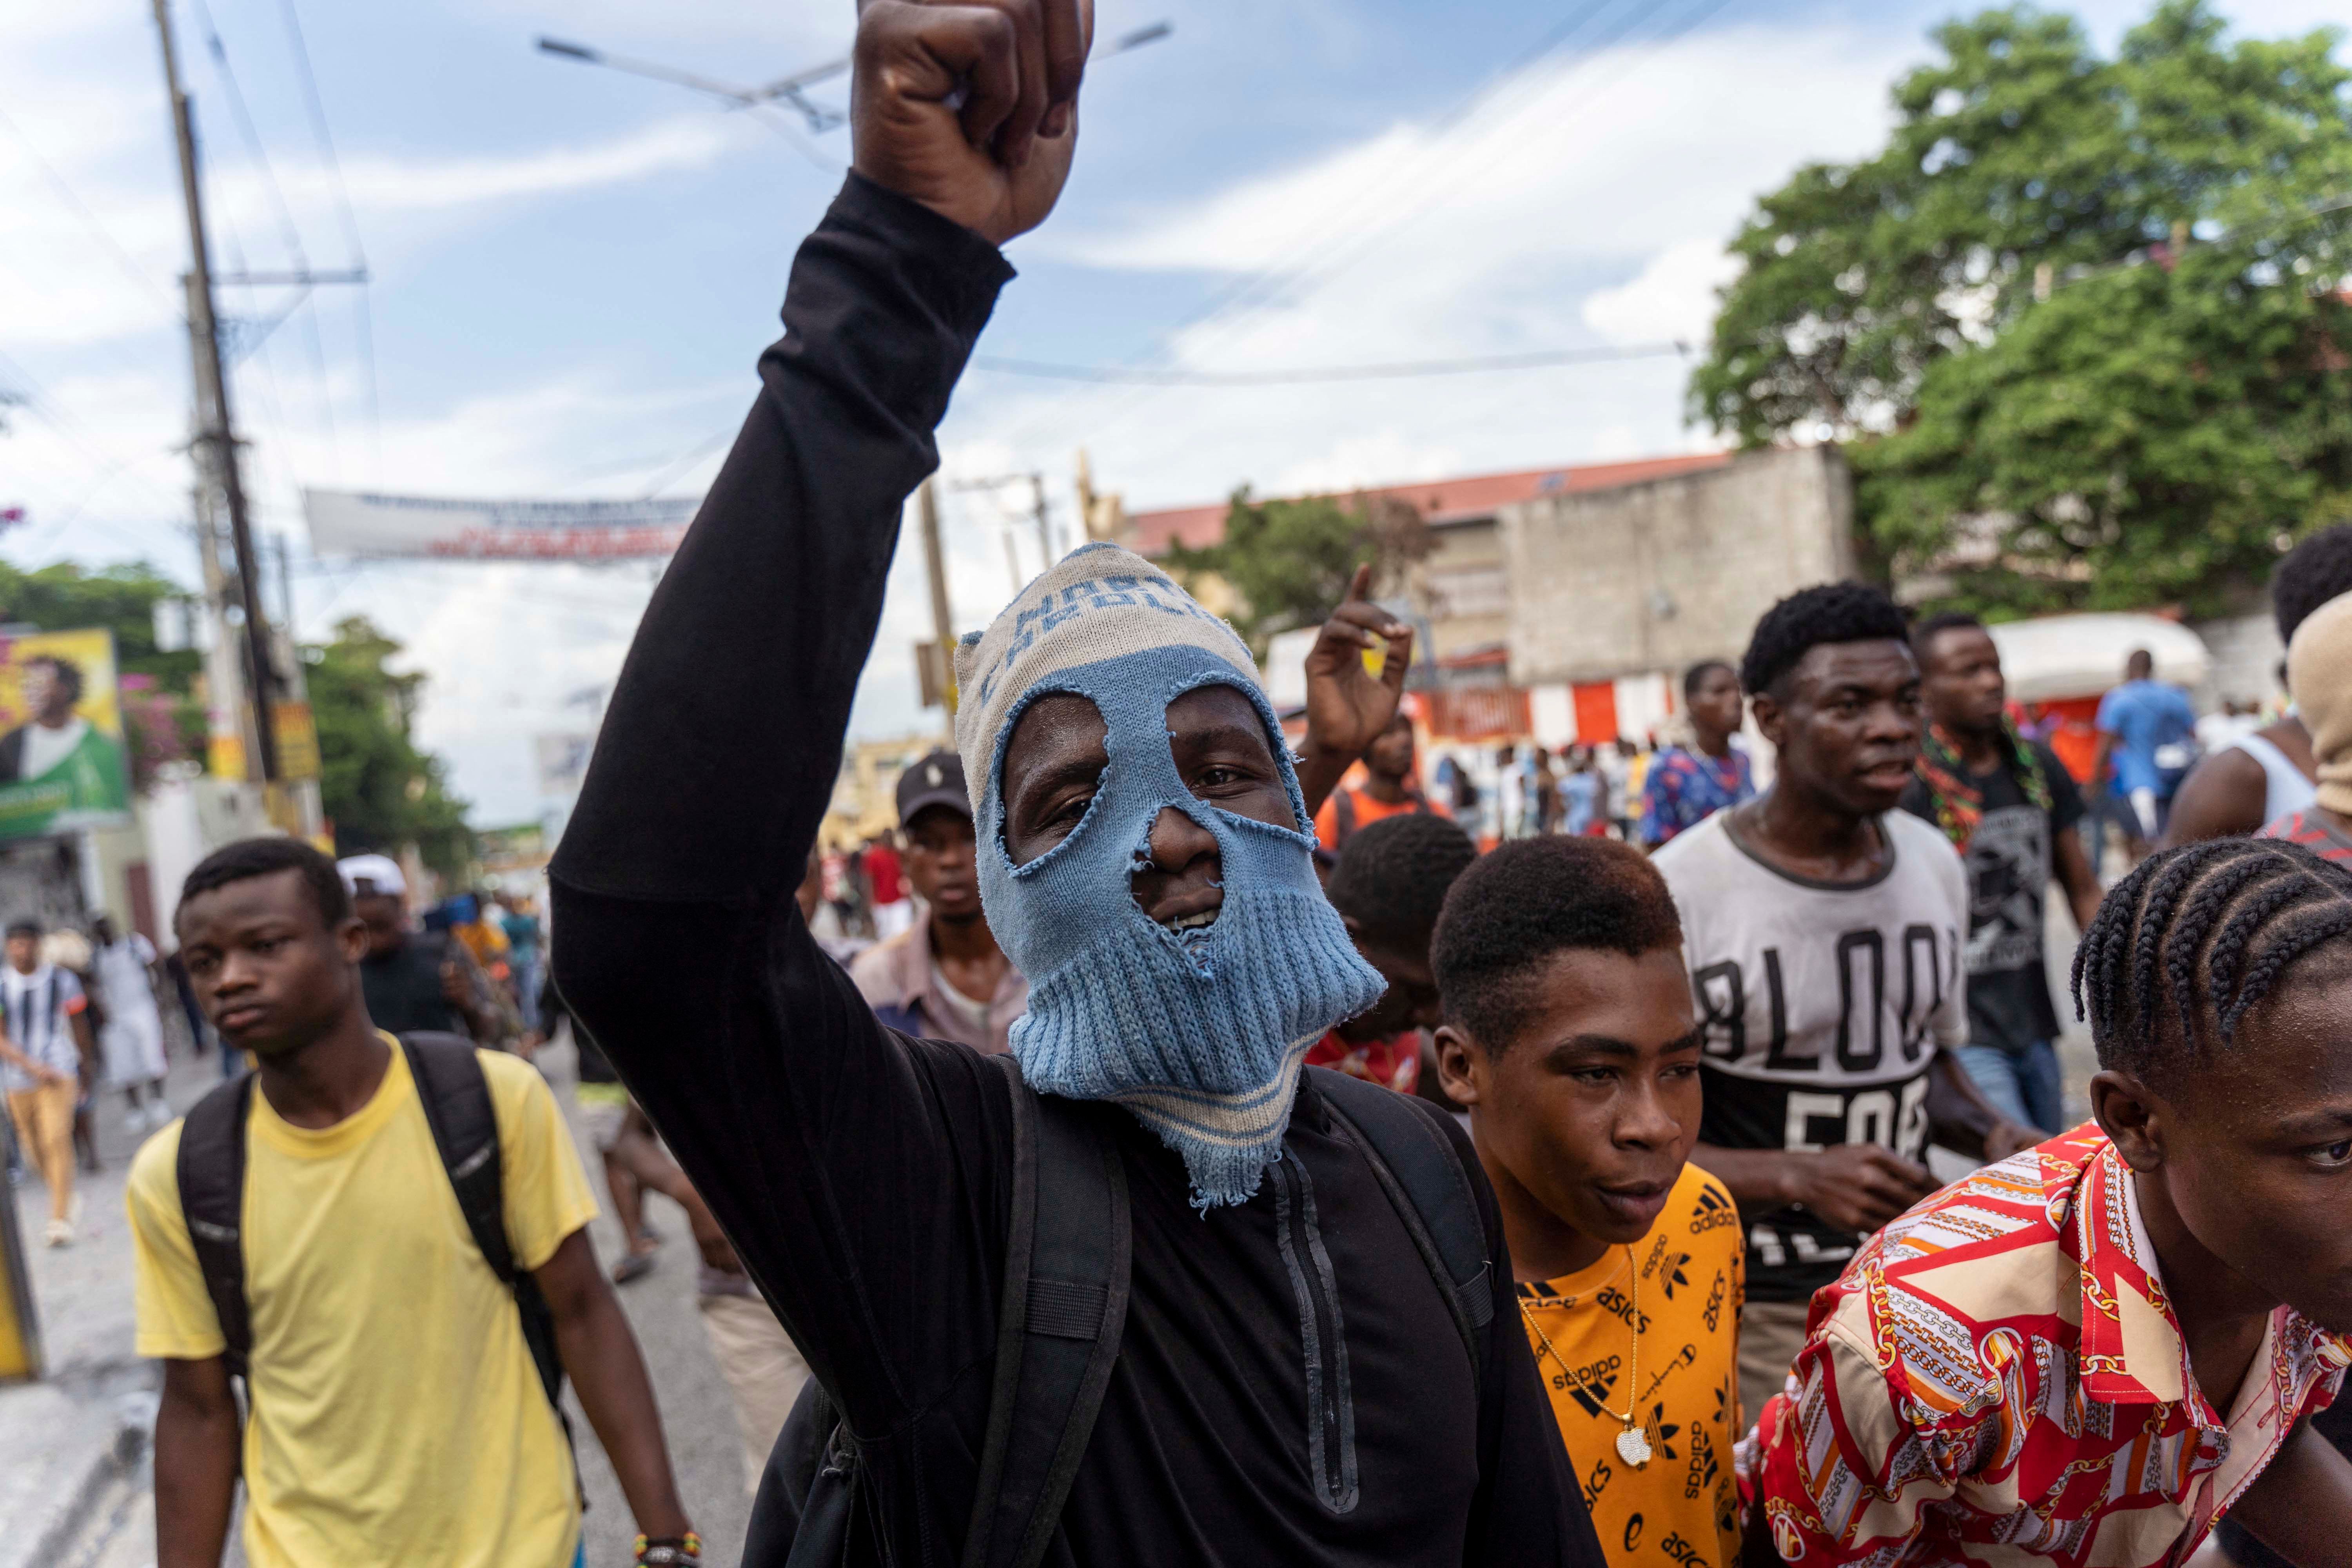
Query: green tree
<point x="2079" y="313"/>
<point x="380" y="792"/>
<point x="120" y="598"/>
<point x="1291" y="561"/>
<point x="2150" y="436"/>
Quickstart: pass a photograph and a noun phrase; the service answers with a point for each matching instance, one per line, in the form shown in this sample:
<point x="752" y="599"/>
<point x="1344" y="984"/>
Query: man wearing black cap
<point x="943" y="978"/>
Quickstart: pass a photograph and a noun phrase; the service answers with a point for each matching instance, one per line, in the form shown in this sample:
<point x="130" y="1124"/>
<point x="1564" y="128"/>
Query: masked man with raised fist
<point x="1305" y="1348"/>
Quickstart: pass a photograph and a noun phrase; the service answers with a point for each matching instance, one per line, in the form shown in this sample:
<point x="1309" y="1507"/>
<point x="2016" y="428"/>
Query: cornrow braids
<point x="2201" y="933"/>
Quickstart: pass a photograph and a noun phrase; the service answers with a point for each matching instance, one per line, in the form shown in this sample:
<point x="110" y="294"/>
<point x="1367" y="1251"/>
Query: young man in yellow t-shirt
<point x="398" y="1416"/>
<point x="1569" y="1035"/>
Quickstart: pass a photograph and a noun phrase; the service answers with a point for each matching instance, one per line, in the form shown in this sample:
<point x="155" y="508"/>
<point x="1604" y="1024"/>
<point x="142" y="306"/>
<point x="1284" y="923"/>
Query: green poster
<point x="62" y="764"/>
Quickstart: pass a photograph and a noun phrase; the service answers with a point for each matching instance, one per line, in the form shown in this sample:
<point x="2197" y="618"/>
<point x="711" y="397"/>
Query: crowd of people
<point x="1641" y="790"/>
<point x="1229" y="1155"/>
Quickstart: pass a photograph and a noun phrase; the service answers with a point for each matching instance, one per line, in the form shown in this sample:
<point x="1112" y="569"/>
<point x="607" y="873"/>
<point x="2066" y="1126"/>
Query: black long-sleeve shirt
<point x="865" y="1176"/>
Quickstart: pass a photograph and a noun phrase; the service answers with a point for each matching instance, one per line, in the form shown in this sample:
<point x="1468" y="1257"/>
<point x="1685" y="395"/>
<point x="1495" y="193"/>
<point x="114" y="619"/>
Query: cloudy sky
<point x="575" y="271"/>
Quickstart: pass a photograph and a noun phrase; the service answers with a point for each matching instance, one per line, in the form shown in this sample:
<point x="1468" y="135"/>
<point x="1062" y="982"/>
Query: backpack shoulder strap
<point x="457" y="1100"/>
<point x="1343" y="815"/>
<point x="211" y="1175"/>
<point x="455" y="1094"/>
<point x="1063" y="1311"/>
<point x="1422" y="1175"/>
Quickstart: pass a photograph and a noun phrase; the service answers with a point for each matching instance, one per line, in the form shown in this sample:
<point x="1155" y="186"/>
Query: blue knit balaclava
<point x="1199" y="1033"/>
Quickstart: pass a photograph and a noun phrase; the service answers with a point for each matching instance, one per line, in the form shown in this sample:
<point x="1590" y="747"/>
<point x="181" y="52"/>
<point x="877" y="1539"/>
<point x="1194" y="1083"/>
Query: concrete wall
<point x="1464" y="588"/>
<point x="2246" y="654"/>
<point x="1656" y="577"/>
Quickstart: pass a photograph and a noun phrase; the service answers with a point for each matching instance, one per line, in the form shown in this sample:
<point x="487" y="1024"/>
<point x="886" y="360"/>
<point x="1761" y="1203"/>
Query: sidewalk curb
<point x="128" y="1391"/>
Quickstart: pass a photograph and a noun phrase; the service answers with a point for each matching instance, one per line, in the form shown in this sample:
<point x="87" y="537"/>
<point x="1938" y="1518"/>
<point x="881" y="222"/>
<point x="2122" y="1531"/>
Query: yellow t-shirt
<point x="398" y="1416"/>
<point x="1681" y="1510"/>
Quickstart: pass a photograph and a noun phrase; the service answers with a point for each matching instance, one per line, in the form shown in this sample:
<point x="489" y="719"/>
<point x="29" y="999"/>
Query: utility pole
<point x="229" y="717"/>
<point x="1038" y="509"/>
<point x="216" y="438"/>
<point x="1044" y="520"/>
<point x="927" y="510"/>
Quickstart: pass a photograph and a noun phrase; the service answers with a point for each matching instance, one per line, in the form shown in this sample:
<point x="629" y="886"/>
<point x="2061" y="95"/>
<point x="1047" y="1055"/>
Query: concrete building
<point x="1652" y="577"/>
<point x="1563" y="603"/>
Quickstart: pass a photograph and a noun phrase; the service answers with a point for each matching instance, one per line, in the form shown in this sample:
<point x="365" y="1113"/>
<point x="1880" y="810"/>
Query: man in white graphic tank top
<point x="1825" y="931"/>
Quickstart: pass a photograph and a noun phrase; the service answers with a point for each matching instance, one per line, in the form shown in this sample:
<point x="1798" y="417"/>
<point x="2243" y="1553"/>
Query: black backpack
<point x="1066" y="1259"/>
<point x="456" y="1101"/>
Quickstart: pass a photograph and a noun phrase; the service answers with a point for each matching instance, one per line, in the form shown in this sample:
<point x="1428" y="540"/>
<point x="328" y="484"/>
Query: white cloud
<point x="1382" y="457"/>
<point x="389" y="185"/>
<point x="1673" y="298"/>
<point x="1586" y="206"/>
<point x="1591" y="204"/>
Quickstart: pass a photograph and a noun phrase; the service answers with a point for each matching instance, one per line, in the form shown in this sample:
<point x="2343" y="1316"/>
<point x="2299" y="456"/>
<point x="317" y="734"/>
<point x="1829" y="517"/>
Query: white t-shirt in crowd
<point x="123" y="976"/>
<point x="1822" y="1004"/>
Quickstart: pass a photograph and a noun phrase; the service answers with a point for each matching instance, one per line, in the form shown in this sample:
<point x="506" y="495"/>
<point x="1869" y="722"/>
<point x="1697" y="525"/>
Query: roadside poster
<point x="62" y="764"/>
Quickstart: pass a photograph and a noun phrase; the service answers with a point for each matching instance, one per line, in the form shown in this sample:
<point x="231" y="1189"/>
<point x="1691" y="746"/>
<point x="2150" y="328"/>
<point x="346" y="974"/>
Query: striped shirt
<point x="38" y="1010"/>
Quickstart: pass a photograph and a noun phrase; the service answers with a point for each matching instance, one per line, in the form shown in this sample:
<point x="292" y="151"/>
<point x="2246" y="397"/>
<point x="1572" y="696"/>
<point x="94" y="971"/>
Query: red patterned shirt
<point x="1394" y="1062"/>
<point x="1998" y="1376"/>
<point x="2314" y="832"/>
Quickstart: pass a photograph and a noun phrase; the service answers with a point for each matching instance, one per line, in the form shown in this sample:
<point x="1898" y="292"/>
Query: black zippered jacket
<point x="1291" y="1388"/>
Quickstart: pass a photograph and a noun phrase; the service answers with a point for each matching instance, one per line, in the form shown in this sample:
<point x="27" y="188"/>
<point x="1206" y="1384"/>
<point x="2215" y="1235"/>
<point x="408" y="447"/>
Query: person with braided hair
<point x="2091" y="1352"/>
<point x="2008" y="807"/>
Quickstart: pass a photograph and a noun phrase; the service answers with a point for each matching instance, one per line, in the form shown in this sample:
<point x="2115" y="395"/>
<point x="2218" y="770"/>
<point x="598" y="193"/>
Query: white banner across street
<point x="345" y="523"/>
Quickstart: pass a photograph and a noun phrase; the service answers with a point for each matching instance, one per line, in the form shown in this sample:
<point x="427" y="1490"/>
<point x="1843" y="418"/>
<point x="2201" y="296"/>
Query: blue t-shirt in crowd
<point x="2155" y="730"/>
<point x="1581" y="795"/>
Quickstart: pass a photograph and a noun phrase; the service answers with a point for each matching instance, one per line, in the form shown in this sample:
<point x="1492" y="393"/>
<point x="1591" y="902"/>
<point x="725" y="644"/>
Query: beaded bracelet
<point x="670" y="1551"/>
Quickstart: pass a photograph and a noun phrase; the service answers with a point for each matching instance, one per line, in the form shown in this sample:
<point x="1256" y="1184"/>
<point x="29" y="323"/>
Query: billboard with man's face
<point x="62" y="764"/>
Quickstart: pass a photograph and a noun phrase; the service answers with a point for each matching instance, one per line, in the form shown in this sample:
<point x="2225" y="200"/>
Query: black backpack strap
<point x="1063" y="1311"/>
<point x="1422" y="1175"/>
<point x="210" y="1173"/>
<point x="805" y="1513"/>
<point x="456" y="1096"/>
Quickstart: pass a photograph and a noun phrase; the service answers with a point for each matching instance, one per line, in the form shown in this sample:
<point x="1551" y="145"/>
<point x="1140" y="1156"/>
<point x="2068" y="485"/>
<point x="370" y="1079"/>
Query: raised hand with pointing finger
<point x="972" y="108"/>
<point x="1348" y="707"/>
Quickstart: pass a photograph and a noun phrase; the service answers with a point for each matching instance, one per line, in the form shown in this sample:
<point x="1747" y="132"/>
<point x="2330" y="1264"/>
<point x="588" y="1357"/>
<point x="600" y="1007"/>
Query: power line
<point x="37" y="399"/>
<point x="1343" y="247"/>
<point x="1331" y="221"/>
<point x="317" y="107"/>
<point x="290" y="232"/>
<point x="1394" y="371"/>
<point x="677" y="466"/>
<point x="1254" y="288"/>
<point x="364" y="304"/>
<point x="1137" y="375"/>
<point x="90" y="220"/>
<point x="813" y="155"/>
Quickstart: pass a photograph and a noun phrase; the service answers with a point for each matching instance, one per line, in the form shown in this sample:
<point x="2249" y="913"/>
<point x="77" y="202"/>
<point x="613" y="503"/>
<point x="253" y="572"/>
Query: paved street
<point x="56" y="1440"/>
<point x="63" y="1463"/>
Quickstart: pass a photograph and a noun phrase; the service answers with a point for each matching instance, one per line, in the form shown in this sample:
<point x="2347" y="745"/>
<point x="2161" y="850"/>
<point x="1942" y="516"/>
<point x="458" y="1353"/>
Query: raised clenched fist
<point x="970" y="109"/>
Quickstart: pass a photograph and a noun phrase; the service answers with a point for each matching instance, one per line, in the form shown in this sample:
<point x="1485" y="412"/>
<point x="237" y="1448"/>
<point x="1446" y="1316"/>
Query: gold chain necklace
<point x="1633" y="1443"/>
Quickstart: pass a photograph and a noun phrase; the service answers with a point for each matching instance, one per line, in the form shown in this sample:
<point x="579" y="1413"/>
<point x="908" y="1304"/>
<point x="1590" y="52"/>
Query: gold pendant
<point x="1634" y="1446"/>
